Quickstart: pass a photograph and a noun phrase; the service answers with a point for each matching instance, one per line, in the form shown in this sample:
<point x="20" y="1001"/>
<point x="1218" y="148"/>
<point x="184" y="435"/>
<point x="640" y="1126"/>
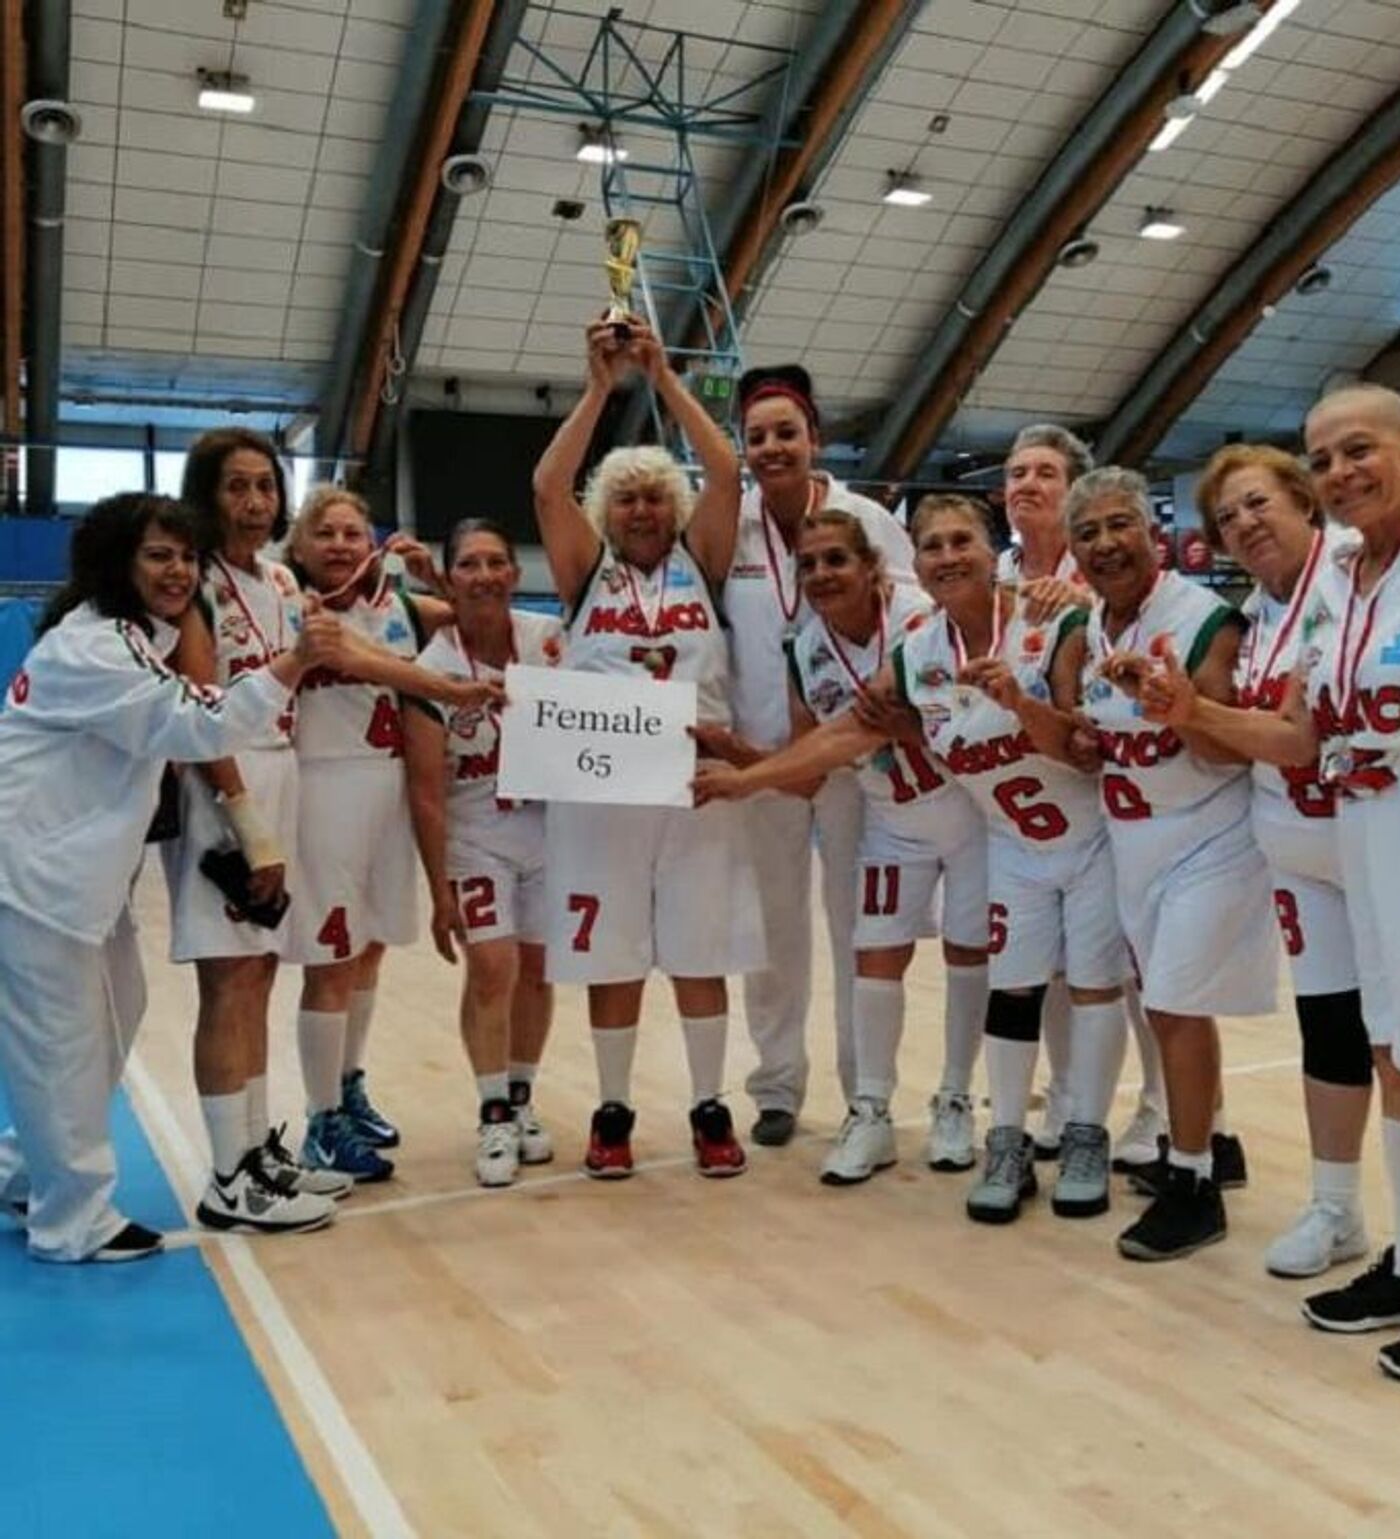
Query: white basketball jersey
<point x="1024" y="794"/>
<point x="254" y="620"/>
<point x="663" y="622"/>
<point x="1282" y="634"/>
<point x="899" y="783"/>
<point x="475" y="817"/>
<point x="342" y="717"/>
<point x="1012" y="559"/>
<point x="1152" y="784"/>
<point x="764" y="603"/>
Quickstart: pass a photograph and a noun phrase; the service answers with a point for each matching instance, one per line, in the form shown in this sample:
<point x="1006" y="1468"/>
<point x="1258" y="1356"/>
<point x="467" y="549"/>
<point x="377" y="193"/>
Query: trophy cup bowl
<point x="624" y="239"/>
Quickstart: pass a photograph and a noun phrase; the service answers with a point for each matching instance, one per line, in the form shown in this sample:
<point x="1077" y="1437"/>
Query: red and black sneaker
<point x="609" y="1156"/>
<point x="717" y="1151"/>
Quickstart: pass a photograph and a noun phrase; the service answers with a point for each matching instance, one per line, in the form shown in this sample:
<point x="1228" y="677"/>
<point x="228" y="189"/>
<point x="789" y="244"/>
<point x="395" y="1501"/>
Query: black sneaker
<point x="1185" y="1216"/>
<point x="1227" y="1167"/>
<point x="1369" y="1302"/>
<point x="774" y="1127"/>
<point x="134" y="1243"/>
<point x="1388" y="1360"/>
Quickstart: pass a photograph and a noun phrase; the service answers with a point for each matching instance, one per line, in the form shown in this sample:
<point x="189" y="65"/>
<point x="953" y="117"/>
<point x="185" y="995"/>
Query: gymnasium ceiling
<point x="213" y="258"/>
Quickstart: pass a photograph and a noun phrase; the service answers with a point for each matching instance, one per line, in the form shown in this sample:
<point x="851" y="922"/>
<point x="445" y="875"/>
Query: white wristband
<point x="256" y="840"/>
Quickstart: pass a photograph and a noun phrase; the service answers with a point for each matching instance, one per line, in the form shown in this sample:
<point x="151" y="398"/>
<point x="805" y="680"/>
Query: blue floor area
<point x="129" y="1401"/>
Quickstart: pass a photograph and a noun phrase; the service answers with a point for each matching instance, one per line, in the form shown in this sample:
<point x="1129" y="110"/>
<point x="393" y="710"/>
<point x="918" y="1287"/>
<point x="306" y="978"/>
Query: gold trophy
<point x="624" y="241"/>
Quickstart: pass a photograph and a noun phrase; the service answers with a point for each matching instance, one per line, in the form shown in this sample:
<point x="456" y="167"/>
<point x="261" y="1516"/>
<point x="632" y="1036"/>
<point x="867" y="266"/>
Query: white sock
<point x="1219" y="1123"/>
<point x="226" y="1118"/>
<point x="1098" y="1040"/>
<point x="879" y="1024"/>
<point x="321" y="1045"/>
<point x="523" y="1073"/>
<point x="964" y="1016"/>
<point x="357" y="1030"/>
<point x="1200" y="1163"/>
<point x="1338" y="1184"/>
<point x="1390" y="1142"/>
<point x="494" y="1087"/>
<point x="614" y="1050"/>
<point x="705" y="1037"/>
<point x="1010" y="1070"/>
<point x="258" y="1122"/>
<point x="1055" y="1033"/>
<point x="1154" y="1087"/>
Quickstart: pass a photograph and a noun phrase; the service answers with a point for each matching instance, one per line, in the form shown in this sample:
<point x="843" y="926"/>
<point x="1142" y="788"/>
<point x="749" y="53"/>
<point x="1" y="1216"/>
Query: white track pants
<point x="776" y="1000"/>
<point x="68" y="1014"/>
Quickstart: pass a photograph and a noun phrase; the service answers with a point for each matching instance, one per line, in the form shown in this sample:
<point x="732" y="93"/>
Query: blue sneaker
<point x="374" y="1127"/>
<point x="334" y="1142"/>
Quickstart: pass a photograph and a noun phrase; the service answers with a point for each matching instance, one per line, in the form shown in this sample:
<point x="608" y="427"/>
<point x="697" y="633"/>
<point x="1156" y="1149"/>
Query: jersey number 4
<point x="385" y="728"/>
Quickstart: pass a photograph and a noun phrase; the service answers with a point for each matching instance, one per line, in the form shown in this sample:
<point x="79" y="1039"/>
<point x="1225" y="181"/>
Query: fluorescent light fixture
<point x="226" y="101"/>
<point x="597" y="148"/>
<point x="1260" y="33"/>
<point x="1170" y="132"/>
<point x="1209" y="88"/>
<point x="1160" y="224"/>
<point x="904" y="191"/>
<point x="220" y="90"/>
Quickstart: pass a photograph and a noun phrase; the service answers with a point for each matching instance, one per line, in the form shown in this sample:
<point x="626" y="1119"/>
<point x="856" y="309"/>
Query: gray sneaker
<point x="1008" y="1177"/>
<point x="1082" y="1188"/>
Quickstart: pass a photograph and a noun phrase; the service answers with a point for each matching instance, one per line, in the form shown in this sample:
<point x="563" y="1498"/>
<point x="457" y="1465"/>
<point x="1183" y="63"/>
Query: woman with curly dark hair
<point x="91" y="719"/>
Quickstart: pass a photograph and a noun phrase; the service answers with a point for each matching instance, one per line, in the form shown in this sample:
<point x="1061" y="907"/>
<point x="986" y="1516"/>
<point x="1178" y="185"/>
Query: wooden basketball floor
<point x="767" y="1357"/>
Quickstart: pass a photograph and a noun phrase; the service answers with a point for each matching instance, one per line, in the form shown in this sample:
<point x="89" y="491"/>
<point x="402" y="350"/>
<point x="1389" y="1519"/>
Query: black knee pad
<point x="1336" y="1048"/>
<point x="1015" y="1017"/>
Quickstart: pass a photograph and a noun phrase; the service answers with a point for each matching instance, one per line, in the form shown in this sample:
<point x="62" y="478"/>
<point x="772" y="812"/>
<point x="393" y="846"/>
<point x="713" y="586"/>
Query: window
<point x="83" y="476"/>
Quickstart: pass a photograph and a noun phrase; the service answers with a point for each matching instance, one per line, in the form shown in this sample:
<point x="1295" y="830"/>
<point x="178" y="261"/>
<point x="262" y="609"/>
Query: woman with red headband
<point x="781" y="432"/>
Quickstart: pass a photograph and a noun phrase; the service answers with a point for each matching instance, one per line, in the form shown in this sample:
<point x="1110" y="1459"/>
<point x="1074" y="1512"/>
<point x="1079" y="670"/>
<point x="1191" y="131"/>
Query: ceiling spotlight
<point x="50" y="122"/>
<point x="1160" y="224"/>
<point x="1317" y="279"/>
<point x="220" y="90"/>
<point x="596" y="145"/>
<point x="801" y="218"/>
<point x="1209" y="88"/>
<point x="1171" y="130"/>
<point x="904" y="190"/>
<point x="1078" y="252"/>
<point x="463" y="175"/>
<point x="567" y="209"/>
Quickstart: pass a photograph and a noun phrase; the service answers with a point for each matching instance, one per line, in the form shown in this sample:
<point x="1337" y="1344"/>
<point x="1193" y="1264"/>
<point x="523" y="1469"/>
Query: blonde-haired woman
<point x="630" y="888"/>
<point x="357" y="876"/>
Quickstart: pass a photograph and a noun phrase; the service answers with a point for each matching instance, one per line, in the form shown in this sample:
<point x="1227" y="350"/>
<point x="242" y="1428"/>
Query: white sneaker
<point x="498" y="1153"/>
<point x="278" y="1163"/>
<point x="1053" y="1117"/>
<point x="1322" y="1236"/>
<point x="249" y="1200"/>
<point x="536" y="1146"/>
<point x="952" y="1132"/>
<point x="1138" y="1143"/>
<point x="864" y="1145"/>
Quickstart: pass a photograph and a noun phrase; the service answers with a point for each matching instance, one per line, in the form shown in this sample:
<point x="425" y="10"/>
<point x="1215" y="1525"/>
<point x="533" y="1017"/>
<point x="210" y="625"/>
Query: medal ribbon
<point x="1133" y="638"/>
<point x="257" y="630"/>
<point x="774" y="571"/>
<point x="1346" y="685"/>
<point x="1291" y="617"/>
<point x="960" y="646"/>
<point x="652" y="621"/>
<point x="845" y="661"/>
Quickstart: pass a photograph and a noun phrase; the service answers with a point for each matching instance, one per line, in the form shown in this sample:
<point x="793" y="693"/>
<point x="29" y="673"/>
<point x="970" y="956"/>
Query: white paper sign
<point x="596" y="737"/>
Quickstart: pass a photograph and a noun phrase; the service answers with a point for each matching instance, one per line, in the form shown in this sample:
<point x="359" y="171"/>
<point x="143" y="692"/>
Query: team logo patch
<point x="827" y="696"/>
<point x="1038" y="689"/>
<point x="935" y="714"/>
<point x="822" y="656"/>
<point x="679" y="577"/>
<point x="748" y="569"/>
<point x="614" y="579"/>
<point x="1390" y="653"/>
<point x="552" y="650"/>
<point x="396" y="630"/>
<point x="1033" y="645"/>
<point x="934" y="677"/>
<point x="1100" y="689"/>
<point x="914" y="622"/>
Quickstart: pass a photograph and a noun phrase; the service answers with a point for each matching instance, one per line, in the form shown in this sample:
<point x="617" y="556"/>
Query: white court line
<point x="376" y="1503"/>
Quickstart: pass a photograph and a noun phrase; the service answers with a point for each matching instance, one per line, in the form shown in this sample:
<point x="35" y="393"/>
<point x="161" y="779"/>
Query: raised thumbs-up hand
<point x="1168" y="696"/>
<point x="321" y="638"/>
